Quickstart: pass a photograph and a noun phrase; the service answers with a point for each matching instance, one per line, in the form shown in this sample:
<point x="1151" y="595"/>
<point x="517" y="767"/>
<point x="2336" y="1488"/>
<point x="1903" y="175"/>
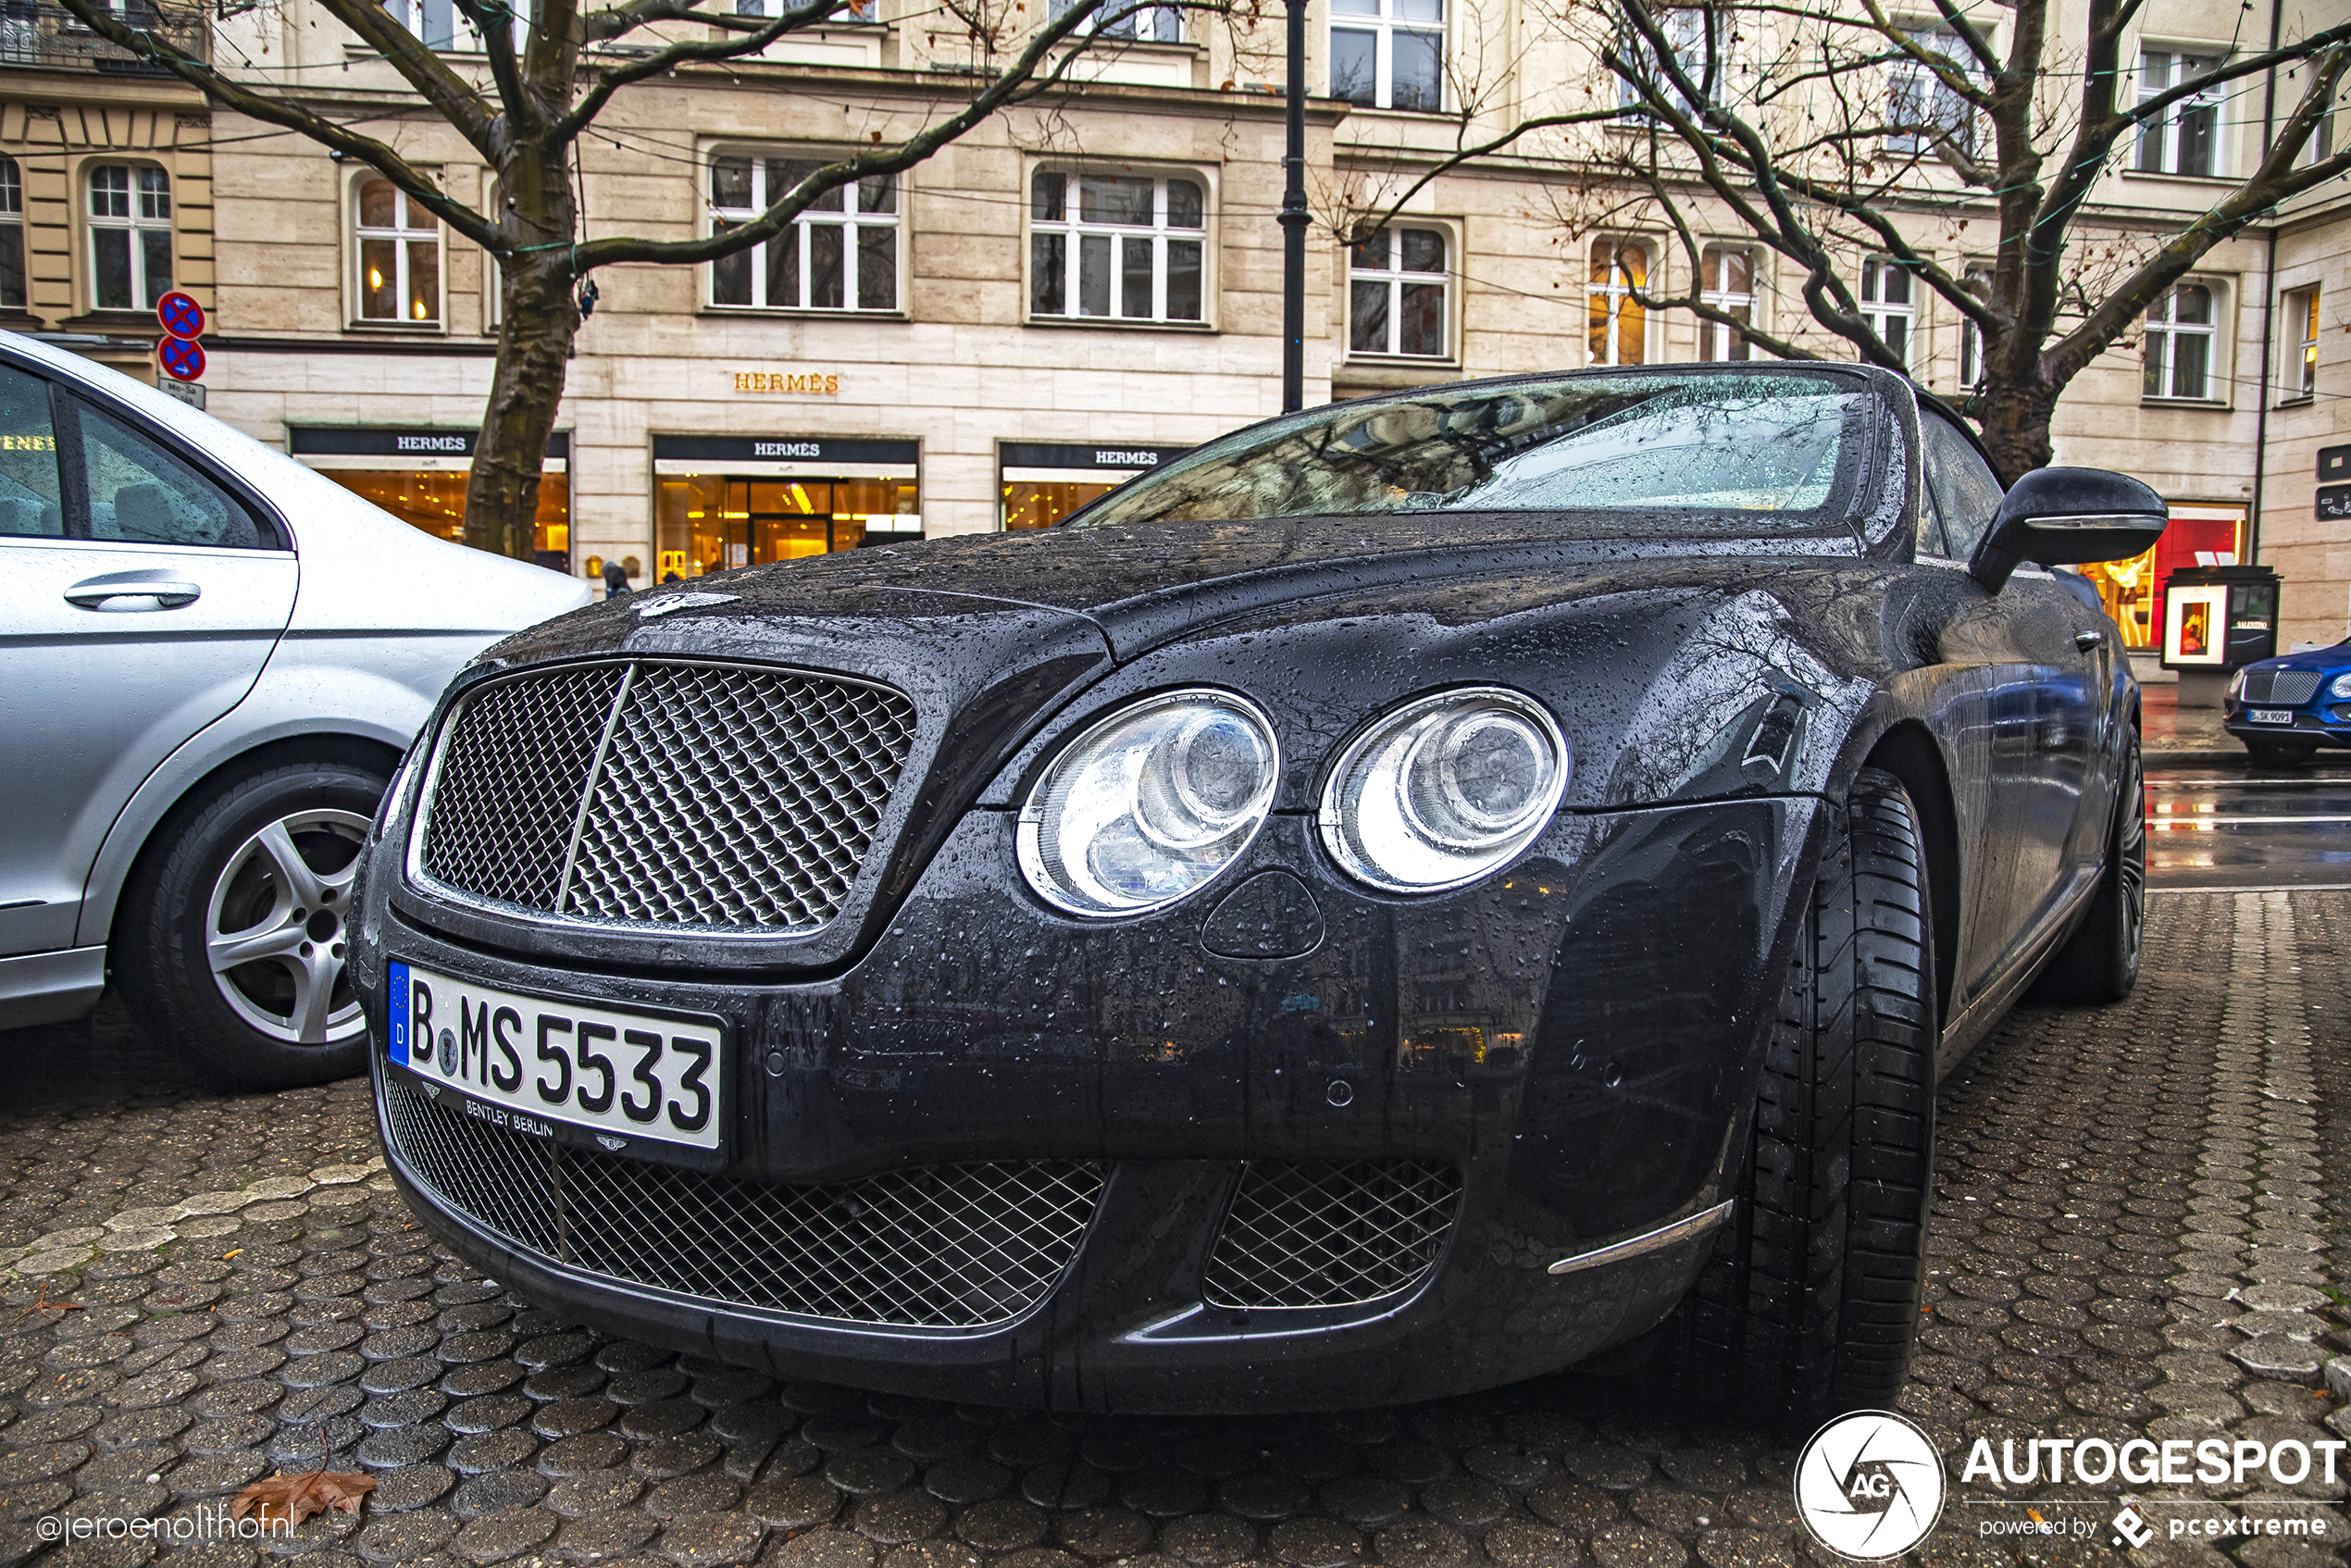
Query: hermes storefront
<point x="417" y="474"/>
<point x="737" y="501"/>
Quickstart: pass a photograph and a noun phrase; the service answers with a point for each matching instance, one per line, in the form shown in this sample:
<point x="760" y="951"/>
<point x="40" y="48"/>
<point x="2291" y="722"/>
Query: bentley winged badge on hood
<point x="1405" y="897"/>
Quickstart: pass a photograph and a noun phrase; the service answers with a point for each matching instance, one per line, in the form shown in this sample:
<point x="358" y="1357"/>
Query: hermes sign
<point x="812" y="383"/>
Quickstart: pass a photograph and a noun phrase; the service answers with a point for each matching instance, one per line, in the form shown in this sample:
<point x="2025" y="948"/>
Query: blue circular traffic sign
<point x="180" y="315"/>
<point x="182" y="360"/>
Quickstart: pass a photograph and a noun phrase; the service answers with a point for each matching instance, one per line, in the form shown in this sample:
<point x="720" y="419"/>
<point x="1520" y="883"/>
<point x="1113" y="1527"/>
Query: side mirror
<point x="2067" y="518"/>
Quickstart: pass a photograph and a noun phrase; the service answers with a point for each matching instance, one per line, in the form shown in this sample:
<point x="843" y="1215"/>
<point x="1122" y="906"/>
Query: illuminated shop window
<point x="709" y="522"/>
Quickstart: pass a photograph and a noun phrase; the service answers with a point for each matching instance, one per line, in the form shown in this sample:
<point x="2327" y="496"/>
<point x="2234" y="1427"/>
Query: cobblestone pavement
<point x="2135" y="1217"/>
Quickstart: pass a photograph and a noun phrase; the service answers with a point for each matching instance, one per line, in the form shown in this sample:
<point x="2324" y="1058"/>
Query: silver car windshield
<point x="1708" y="451"/>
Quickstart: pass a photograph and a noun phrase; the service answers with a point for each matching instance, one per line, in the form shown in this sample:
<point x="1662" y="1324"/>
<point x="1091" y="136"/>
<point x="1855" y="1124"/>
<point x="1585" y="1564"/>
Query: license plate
<point x="621" y="1075"/>
<point x="2269" y="715"/>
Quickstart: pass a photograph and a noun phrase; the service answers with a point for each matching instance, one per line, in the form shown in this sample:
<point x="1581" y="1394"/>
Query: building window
<point x="1128" y="247"/>
<point x="12" y="294"/>
<point x="1396" y="294"/>
<point x="1388" y="54"/>
<point x="1978" y="283"/>
<point x="1923" y="107"/>
<point x="1143" y="24"/>
<point x="434" y="21"/>
<point x="1685" y="29"/>
<point x="841" y="253"/>
<point x="1619" y="325"/>
<point x="130" y="236"/>
<point x="2179" y="343"/>
<point x="1728" y="285"/>
<point x="1885" y="306"/>
<point x="2301" y="378"/>
<point x="399" y="256"/>
<point x="2186" y="138"/>
<point x="855" y="11"/>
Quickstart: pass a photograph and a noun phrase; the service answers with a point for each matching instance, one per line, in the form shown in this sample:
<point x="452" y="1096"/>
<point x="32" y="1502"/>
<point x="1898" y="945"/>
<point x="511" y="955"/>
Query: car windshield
<point x="1707" y="449"/>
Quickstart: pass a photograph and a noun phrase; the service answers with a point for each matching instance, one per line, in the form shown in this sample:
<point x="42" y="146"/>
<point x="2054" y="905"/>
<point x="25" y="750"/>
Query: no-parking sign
<point x="181" y="359"/>
<point x="179" y="313"/>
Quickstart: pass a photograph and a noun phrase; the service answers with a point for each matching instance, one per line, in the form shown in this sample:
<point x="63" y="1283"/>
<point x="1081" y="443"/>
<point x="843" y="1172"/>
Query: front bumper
<point x="2312" y="726"/>
<point x="1576" y="1040"/>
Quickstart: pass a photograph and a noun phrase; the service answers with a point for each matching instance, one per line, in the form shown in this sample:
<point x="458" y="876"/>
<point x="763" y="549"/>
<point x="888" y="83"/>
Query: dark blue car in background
<point x="2284" y="709"/>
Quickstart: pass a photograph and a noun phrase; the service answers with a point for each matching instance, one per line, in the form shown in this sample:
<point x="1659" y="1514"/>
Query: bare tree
<point x="1829" y="130"/>
<point x="524" y="110"/>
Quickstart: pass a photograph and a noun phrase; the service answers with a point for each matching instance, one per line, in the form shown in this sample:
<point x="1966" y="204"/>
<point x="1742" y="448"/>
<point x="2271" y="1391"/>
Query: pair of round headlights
<point x="1146" y="805"/>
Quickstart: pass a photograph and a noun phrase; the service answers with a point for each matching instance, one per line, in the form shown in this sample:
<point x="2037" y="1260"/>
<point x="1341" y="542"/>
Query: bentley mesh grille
<point x="969" y="1245"/>
<point x="2281" y="688"/>
<point x="665" y="793"/>
<point x="1331" y="1233"/>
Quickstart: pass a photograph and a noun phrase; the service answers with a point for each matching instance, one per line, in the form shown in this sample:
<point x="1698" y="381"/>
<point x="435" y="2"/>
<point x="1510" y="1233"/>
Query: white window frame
<point x="2171" y="330"/>
<point x="1127" y="21"/>
<point x="1074" y="229"/>
<point x="850" y="217"/>
<point x="1384" y="24"/>
<point x="1970" y="335"/>
<point x="12" y="220"/>
<point x="423" y="18"/>
<point x="2299" y="305"/>
<point x="137" y="220"/>
<point x="1686" y="26"/>
<point x="1718" y="342"/>
<point x="1394" y="277"/>
<point x="864" y="11"/>
<point x="1945" y="108"/>
<point x="401" y="235"/>
<point x="1881" y="311"/>
<point x="1618" y="291"/>
<point x="2164" y="134"/>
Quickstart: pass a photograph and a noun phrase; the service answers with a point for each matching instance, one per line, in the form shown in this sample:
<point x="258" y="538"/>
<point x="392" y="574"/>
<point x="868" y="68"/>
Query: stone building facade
<point x="1083" y="287"/>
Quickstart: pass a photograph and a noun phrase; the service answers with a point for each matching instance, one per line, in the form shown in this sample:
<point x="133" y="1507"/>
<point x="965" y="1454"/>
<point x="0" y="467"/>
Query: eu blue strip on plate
<point x="396" y="1009"/>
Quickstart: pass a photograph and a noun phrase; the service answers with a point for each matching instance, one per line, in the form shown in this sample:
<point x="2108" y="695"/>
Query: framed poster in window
<point x="2192" y="623"/>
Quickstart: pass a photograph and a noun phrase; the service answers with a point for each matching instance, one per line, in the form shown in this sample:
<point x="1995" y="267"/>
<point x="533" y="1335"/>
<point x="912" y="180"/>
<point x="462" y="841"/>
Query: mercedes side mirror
<point x="2069" y="517"/>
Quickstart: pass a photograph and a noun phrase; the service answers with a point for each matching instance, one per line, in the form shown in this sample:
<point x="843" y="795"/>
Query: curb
<point x="2155" y="756"/>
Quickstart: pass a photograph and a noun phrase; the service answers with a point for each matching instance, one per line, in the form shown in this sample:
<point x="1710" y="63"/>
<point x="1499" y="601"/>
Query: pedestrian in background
<point x="616" y="579"/>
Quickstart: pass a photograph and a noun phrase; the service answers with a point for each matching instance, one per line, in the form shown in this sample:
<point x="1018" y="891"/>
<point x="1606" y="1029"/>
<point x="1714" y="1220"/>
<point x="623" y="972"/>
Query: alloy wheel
<point x="275" y="933"/>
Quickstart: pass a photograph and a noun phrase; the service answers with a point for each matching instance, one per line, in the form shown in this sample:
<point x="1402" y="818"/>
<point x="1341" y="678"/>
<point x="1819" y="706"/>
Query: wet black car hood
<point x="1140" y="585"/>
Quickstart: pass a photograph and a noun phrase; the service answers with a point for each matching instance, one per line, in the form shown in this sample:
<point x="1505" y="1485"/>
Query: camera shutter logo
<point x="1870" y="1485"/>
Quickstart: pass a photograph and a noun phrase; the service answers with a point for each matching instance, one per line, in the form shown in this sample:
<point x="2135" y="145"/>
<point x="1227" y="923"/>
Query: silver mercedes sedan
<point x="211" y="662"/>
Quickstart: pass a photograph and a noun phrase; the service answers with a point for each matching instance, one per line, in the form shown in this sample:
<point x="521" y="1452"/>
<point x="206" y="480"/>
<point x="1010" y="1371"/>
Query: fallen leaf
<point x="293" y="1498"/>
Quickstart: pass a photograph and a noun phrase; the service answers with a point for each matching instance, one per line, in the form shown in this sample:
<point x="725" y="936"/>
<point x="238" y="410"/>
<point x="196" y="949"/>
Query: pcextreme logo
<point x="1869" y="1485"/>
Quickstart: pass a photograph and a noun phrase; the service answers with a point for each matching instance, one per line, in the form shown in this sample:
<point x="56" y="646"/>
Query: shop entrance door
<point x="787" y="536"/>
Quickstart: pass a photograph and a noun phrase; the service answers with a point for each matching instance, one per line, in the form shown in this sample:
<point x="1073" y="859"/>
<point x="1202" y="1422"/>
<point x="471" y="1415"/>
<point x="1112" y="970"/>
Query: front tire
<point x="2100" y="965"/>
<point x="1807" y="1305"/>
<point x="233" y="938"/>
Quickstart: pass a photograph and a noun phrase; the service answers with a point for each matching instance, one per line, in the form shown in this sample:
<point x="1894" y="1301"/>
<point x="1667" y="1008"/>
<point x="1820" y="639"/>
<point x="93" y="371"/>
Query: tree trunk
<point x="2015" y="423"/>
<point x="536" y="324"/>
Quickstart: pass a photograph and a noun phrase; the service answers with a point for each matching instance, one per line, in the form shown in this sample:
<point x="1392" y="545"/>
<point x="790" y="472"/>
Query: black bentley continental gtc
<point x="1406" y="897"/>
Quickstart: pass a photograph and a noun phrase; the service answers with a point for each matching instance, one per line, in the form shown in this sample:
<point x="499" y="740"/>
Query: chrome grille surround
<point x="660" y="793"/>
<point x="938" y="1247"/>
<point x="2281" y="688"/>
<point x="1316" y="1233"/>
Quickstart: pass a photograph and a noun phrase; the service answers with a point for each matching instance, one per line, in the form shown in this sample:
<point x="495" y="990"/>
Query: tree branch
<point x="271" y="110"/>
<point x="1018" y="82"/>
<point x="688" y="52"/>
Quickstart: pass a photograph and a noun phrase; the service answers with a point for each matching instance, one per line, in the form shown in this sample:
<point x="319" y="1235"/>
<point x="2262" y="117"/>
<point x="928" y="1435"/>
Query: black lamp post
<point x="1293" y="221"/>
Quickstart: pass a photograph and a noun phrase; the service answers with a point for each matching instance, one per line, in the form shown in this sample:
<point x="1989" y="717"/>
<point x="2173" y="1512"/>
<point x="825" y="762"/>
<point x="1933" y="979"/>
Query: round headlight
<point x="1149" y="804"/>
<point x="2340" y="686"/>
<point x="2237" y="685"/>
<point x="1444" y="790"/>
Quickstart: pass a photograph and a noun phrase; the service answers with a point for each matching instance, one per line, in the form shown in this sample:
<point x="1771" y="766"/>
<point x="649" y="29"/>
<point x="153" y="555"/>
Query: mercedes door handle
<point x="118" y="593"/>
<point x="2086" y="641"/>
